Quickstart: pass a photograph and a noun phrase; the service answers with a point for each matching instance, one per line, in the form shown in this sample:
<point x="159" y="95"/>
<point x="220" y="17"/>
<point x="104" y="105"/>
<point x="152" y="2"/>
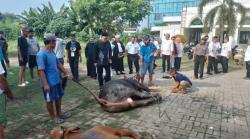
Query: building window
<point x="244" y="36"/>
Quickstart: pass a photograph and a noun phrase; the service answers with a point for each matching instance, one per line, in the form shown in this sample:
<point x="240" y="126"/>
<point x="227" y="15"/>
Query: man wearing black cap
<point x="32" y="51"/>
<point x="22" y="48"/>
<point x="74" y="55"/>
<point x="147" y="52"/>
<point x="48" y="70"/>
<point x="103" y="55"/>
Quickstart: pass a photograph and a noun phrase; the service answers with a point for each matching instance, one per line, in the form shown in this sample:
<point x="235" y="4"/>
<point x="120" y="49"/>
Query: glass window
<point x="244" y="35"/>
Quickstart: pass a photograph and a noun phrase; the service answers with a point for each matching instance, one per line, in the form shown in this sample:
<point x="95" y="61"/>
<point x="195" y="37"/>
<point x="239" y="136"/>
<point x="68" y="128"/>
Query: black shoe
<point x="131" y="72"/>
<point x="209" y="73"/>
<point x="122" y="72"/>
<point x="201" y="78"/>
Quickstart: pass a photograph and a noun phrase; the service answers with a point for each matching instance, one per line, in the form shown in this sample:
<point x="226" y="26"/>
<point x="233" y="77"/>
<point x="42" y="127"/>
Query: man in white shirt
<point x="60" y="47"/>
<point x="213" y="48"/>
<point x="156" y="43"/>
<point x="132" y="51"/>
<point x="225" y="54"/>
<point x="166" y="52"/>
<point x="247" y="59"/>
<point x="59" y="51"/>
<point x="33" y="49"/>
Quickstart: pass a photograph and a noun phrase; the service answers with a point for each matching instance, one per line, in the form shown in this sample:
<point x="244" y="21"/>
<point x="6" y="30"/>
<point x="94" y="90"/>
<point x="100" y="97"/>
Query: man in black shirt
<point x="22" y="47"/>
<point x="103" y="54"/>
<point x="73" y="50"/>
<point x="89" y="54"/>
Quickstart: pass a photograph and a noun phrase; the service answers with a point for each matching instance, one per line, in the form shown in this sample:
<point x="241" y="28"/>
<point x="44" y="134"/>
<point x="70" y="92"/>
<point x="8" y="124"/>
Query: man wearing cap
<point x="22" y="46"/>
<point x="32" y="51"/>
<point x="103" y="55"/>
<point x="200" y="54"/>
<point x="147" y="59"/>
<point x="73" y="48"/>
<point x="48" y="70"/>
<point x="182" y="82"/>
<point x="89" y="54"/>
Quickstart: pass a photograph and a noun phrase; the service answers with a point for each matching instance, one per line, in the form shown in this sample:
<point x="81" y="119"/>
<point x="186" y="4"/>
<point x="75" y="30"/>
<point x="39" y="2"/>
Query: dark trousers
<point x="73" y="63"/>
<point x="64" y="79"/>
<point x="199" y="66"/>
<point x="248" y="69"/>
<point x="212" y="64"/>
<point x="164" y="59"/>
<point x="224" y="64"/>
<point x="133" y="58"/>
<point x="100" y="73"/>
<point x="4" y="67"/>
<point x="91" y="69"/>
<point x="177" y="63"/>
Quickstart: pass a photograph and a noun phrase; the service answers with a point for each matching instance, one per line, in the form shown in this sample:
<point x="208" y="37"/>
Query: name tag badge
<point x="72" y="54"/>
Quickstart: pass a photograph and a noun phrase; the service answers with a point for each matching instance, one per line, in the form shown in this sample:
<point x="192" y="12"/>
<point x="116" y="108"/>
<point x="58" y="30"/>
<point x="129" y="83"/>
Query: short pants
<point x="146" y="67"/>
<point x="32" y="61"/>
<point x="185" y="85"/>
<point x="56" y="92"/>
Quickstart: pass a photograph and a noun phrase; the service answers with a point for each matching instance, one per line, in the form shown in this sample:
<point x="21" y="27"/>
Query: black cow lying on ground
<point x="125" y="94"/>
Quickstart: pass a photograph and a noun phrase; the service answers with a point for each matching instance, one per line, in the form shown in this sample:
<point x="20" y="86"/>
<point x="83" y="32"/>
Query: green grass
<point x="21" y="113"/>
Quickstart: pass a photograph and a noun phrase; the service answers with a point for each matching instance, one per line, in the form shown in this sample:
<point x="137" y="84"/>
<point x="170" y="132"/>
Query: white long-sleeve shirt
<point x="247" y="53"/>
<point x="167" y="47"/>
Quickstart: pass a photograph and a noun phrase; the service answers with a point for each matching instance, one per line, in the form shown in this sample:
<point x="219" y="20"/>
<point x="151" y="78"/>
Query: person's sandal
<point x="58" y="121"/>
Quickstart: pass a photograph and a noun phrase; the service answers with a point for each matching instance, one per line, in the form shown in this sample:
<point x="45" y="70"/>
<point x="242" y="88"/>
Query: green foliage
<point x="224" y="14"/>
<point x="10" y="30"/>
<point x="8" y="18"/>
<point x="48" y="20"/>
<point x="109" y="15"/>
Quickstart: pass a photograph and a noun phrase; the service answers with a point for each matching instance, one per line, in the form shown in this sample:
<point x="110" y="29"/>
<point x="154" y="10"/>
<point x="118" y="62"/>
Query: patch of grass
<point x="30" y="103"/>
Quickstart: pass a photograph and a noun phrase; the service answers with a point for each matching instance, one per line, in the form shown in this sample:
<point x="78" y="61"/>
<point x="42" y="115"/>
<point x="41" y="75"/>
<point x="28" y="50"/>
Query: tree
<point x="109" y="15"/>
<point x="225" y="13"/>
<point x="48" y="20"/>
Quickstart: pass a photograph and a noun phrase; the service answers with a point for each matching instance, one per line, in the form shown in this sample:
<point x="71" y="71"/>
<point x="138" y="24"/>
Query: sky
<point x="18" y="6"/>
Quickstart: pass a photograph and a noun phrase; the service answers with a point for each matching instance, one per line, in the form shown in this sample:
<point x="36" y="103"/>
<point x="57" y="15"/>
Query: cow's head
<point x="62" y="133"/>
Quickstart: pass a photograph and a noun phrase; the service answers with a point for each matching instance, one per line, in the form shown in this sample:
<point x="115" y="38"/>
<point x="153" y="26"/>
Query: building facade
<point x="168" y="8"/>
<point x="190" y="24"/>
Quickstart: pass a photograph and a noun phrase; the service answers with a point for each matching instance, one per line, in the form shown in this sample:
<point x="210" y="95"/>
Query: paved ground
<point x="217" y="107"/>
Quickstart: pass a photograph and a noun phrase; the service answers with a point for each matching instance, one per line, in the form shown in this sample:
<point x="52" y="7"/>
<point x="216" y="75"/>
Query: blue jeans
<point x="147" y="67"/>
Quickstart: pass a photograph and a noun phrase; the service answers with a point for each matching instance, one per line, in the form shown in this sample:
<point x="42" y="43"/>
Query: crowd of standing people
<point x="106" y="54"/>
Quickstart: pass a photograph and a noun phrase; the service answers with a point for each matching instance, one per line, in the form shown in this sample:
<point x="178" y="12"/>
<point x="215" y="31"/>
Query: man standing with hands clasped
<point x="102" y="58"/>
<point x="48" y="70"/>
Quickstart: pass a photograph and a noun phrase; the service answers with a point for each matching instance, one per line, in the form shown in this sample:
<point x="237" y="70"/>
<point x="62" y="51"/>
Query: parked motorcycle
<point x="188" y="49"/>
